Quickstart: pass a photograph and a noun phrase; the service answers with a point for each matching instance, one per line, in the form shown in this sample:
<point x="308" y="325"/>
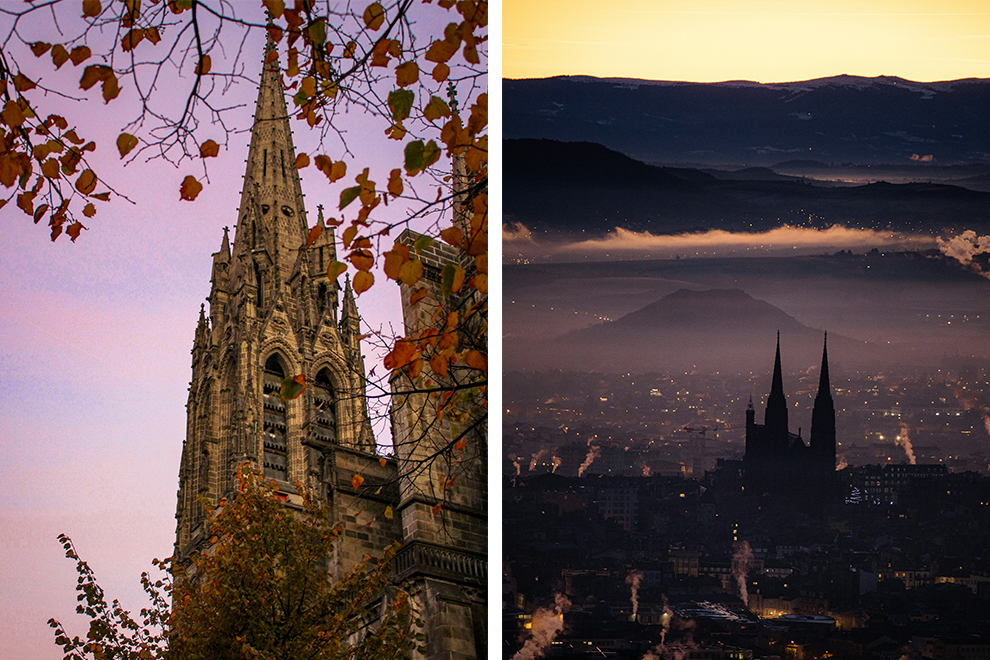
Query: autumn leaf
<point x="39" y="48"/>
<point x="89" y="210"/>
<point x="302" y="160"/>
<point x="451" y="279"/>
<point x="436" y="109"/>
<point x="59" y="55"/>
<point x="12" y="115"/>
<point x="314" y="233"/>
<point x="74" y="230"/>
<point x="22" y="83"/>
<point x="204" y="65"/>
<point x="438" y="363"/>
<point x="335" y="269"/>
<point x="452" y="236"/>
<point x="411" y="272"/>
<point x="436" y="509"/>
<point x="400" y="355"/>
<point x="80" y="54"/>
<point x="93" y="74"/>
<point x="382" y="461"/>
<point x="476" y="360"/>
<point x="363" y="281"/>
<point x="133" y="37"/>
<point x="292" y="387"/>
<point x="348" y="195"/>
<point x="374" y="16"/>
<point x="190" y="188"/>
<point x="460" y="444"/>
<point x="441" y="51"/>
<point x="388" y="510"/>
<point x="356" y="481"/>
<point x="400" y="103"/>
<point x="86" y="183"/>
<point x="406" y="74"/>
<point x="126" y="142"/>
<point x="423" y="241"/>
<point x="418" y="295"/>
<point x="440" y="72"/>
<point x="209" y="149"/>
<point x="274" y="7"/>
<point x="91" y="8"/>
<point x="362" y="260"/>
<point x="395" y="186"/>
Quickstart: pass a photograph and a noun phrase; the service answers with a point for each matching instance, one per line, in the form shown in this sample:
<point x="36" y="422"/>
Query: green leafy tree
<point x="262" y="589"/>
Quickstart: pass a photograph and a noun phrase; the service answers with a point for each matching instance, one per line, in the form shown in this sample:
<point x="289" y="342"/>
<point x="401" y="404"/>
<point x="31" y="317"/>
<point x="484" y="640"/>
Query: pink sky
<point x="95" y="342"/>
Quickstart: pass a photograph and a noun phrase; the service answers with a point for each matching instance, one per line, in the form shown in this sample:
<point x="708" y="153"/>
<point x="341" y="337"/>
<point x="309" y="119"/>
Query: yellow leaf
<point x="335" y="269"/>
<point x="338" y="171"/>
<point x="436" y="109"/>
<point x="126" y="142"/>
<point x="406" y="74"/>
<point x="388" y="509"/>
<point x="86" y="183"/>
<point x="209" y="149"/>
<point x="348" y="235"/>
<point x="363" y="281"/>
<point x="302" y="160"/>
<point x="418" y="295"/>
<point x="356" y="481"/>
<point x="411" y="272"/>
<point x="308" y="86"/>
<point x="452" y="236"/>
<point x="481" y="282"/>
<point x="374" y="16"/>
<point x="190" y="188"/>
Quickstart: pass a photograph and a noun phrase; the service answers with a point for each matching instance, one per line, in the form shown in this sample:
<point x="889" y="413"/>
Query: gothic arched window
<point x="325" y="403"/>
<point x="275" y="454"/>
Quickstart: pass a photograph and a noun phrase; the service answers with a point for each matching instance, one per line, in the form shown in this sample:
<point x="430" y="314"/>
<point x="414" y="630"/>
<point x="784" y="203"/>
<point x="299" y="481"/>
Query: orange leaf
<point x="476" y="360"/>
<point x="302" y="160"/>
<point x="383" y="462"/>
<point x="79" y="55"/>
<point x="395" y="186"/>
<point x="91" y="8"/>
<point x="86" y="183"/>
<point x="204" y="65"/>
<point x="362" y="260"/>
<point x="59" y="55"/>
<point x="12" y="115"/>
<point x="89" y="210"/>
<point x="314" y="233"/>
<point x="439" y="365"/>
<point x="436" y="509"/>
<point x="356" y="481"/>
<point x="335" y="269"/>
<point x="126" y="142"/>
<point x="374" y="16"/>
<point x="190" y="188"/>
<point x="292" y="387"/>
<point x="440" y="72"/>
<point x="349" y="235"/>
<point x="452" y="236"/>
<point x="209" y="149"/>
<point x="338" y="171"/>
<point x="460" y="444"/>
<point x="400" y="355"/>
<point x="406" y="74"/>
<point x="363" y="281"/>
<point x="418" y="295"/>
<point x="393" y="262"/>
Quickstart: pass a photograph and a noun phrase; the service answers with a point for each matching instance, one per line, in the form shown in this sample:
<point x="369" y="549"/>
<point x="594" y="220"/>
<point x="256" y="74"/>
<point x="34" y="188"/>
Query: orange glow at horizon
<point x="762" y="40"/>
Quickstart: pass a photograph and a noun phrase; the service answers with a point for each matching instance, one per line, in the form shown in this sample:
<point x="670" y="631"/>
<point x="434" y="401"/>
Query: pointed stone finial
<point x="202" y="312"/>
<point x="224" y="254"/>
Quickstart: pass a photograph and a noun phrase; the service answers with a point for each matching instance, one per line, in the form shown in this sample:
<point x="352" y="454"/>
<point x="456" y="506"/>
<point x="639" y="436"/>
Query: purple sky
<point x="95" y="342"/>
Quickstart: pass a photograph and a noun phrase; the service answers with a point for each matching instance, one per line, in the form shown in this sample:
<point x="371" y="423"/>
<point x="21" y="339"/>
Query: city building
<point x="274" y="313"/>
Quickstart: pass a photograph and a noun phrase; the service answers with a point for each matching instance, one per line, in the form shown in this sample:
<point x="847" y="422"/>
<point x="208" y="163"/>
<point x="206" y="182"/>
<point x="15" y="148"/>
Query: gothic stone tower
<point x="777" y="461"/>
<point x="274" y="313"/>
<point x="444" y="556"/>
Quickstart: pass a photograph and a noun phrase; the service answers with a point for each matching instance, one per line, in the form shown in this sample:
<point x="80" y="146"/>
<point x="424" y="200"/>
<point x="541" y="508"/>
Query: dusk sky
<point x="761" y="40"/>
<point x="95" y="341"/>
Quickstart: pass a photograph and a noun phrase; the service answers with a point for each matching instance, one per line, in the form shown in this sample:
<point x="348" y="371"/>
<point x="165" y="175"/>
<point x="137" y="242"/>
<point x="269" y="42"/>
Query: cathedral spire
<point x="776" y="416"/>
<point x="823" y="385"/>
<point x="271" y="215"/>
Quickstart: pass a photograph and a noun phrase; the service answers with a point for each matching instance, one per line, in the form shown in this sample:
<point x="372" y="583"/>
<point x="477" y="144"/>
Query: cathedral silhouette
<point x="778" y="462"/>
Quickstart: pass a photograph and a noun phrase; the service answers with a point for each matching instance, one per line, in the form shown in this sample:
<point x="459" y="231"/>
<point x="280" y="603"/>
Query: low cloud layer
<point x="519" y="244"/>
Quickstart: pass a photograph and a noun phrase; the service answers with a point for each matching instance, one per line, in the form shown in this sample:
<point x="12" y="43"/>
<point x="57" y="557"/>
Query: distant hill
<point x="832" y="120"/>
<point x="716" y="329"/>
<point x="575" y="187"/>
